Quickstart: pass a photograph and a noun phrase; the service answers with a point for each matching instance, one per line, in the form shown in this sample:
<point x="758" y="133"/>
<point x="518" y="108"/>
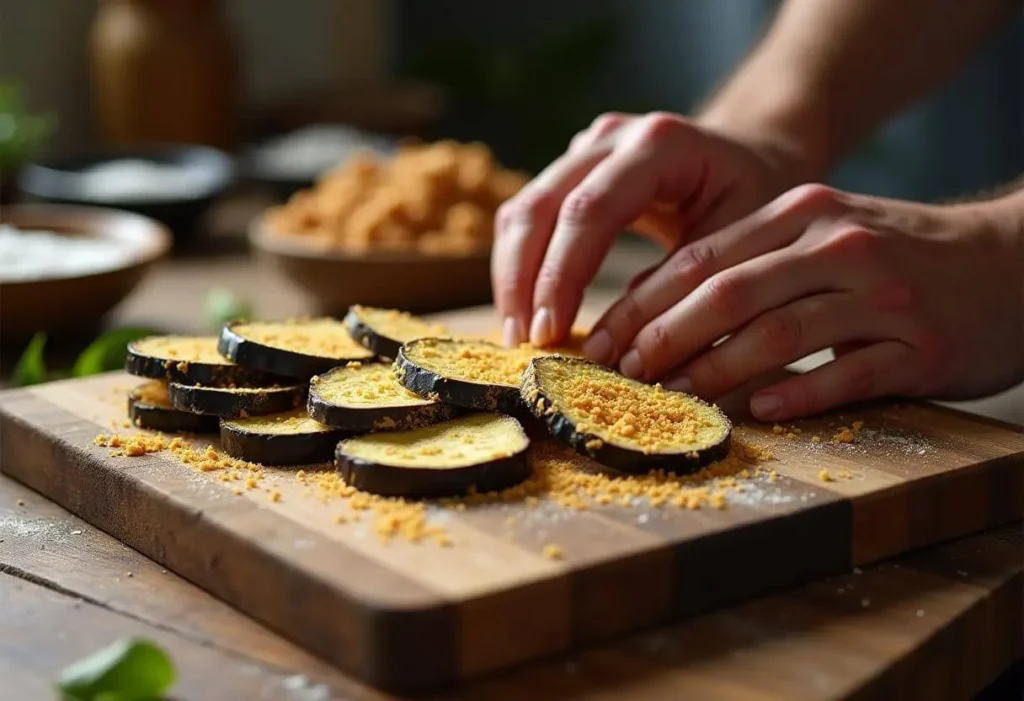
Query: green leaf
<point x="131" y="669"/>
<point x="221" y="306"/>
<point x="108" y="352"/>
<point x="31" y="368"/>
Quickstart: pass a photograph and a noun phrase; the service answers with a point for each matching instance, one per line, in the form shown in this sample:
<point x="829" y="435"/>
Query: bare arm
<point x="828" y="72"/>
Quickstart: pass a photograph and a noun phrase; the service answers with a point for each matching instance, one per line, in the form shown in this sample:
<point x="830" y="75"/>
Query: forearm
<point x="828" y="72"/>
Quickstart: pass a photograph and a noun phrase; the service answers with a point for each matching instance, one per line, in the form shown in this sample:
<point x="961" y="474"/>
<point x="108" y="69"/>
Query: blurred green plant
<point x="539" y="94"/>
<point x="106" y="353"/>
<point x="221" y="305"/>
<point x="131" y="669"/>
<point x="109" y="350"/>
<point x="22" y="133"/>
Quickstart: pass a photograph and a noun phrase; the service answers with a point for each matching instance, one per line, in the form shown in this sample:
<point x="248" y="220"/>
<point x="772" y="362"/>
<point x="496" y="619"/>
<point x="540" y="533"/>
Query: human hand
<point x="675" y="179"/>
<point x="916" y="300"/>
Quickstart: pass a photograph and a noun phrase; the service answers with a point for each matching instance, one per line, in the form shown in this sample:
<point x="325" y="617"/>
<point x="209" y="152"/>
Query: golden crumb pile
<point x="188" y="349"/>
<point x="364" y="384"/>
<point x="154" y="393"/>
<point x="474" y="361"/>
<point x="389" y="517"/>
<point x="397" y="325"/>
<point x="848" y="434"/>
<point x="323" y="338"/>
<point x="437" y="198"/>
<point x="640" y="416"/>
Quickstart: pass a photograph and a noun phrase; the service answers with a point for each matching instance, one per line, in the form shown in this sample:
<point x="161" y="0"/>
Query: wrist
<point x="778" y="118"/>
<point x="1003" y="219"/>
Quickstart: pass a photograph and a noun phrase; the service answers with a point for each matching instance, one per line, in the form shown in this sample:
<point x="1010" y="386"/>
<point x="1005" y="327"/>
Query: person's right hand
<point x="668" y="176"/>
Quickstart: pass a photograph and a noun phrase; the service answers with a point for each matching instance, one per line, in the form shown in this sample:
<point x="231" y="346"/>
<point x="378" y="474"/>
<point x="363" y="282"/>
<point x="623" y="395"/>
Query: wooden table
<point x="936" y="624"/>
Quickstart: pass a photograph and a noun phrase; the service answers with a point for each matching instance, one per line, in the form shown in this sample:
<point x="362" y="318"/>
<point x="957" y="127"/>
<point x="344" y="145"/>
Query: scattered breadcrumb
<point x="552" y="551"/>
<point x="20" y="502"/>
<point x="825" y="476"/>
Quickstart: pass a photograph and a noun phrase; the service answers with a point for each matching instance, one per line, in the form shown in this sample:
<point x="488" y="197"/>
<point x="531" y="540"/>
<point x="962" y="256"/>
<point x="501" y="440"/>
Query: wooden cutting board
<point x="408" y="615"/>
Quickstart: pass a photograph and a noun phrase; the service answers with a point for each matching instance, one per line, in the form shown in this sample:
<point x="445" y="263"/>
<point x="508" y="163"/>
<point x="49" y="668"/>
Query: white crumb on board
<point x="45" y="530"/>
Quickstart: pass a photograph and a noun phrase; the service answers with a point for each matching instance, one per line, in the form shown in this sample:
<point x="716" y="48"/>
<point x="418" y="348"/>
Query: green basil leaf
<point x="132" y="669"/>
<point x="108" y="352"/>
<point x="31" y="367"/>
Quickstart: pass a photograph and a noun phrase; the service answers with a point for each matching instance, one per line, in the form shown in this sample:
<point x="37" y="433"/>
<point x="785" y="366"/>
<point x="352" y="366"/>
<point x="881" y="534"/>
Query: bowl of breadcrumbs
<point x="413" y="231"/>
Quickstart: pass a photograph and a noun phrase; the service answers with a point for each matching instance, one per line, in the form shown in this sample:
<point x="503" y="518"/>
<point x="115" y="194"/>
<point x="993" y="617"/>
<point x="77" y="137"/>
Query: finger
<point x="524" y="225"/>
<point x="883" y="369"/>
<point x="611" y="196"/>
<point x="727" y="302"/>
<point x="603" y="127"/>
<point x="770" y="228"/>
<point x="785" y="335"/>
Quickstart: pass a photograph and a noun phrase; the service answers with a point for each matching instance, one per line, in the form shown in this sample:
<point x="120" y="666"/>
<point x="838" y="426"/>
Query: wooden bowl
<point x="69" y="304"/>
<point x="414" y="282"/>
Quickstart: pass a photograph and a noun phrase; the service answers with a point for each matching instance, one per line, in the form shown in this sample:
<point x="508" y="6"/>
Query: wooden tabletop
<point x="936" y="624"/>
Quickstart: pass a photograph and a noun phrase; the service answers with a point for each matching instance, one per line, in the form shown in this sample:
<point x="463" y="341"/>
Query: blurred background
<point x="524" y="76"/>
<point x="253" y="100"/>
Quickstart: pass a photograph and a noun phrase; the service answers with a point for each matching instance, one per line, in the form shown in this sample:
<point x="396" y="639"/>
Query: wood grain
<point x="914" y="476"/>
<point x="813" y="642"/>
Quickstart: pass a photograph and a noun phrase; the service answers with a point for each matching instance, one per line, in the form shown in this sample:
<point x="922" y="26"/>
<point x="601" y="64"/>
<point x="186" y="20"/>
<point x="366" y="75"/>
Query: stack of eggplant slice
<point x="403" y="409"/>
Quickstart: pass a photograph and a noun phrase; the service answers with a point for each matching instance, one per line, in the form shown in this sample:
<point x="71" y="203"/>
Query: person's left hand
<point x="915" y="300"/>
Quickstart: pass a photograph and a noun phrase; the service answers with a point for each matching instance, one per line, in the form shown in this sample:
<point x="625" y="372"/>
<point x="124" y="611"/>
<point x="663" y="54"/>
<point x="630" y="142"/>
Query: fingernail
<point x="540" y="329"/>
<point x="766" y="406"/>
<point x="510" y="332"/>
<point x="680" y="384"/>
<point x="599" y="347"/>
<point x="632" y="365"/>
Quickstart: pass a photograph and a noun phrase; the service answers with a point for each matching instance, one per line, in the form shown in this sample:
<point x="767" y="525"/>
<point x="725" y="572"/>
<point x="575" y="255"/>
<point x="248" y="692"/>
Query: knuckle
<point x="655" y="342"/>
<point x="606" y="123"/>
<point x="854" y="242"/>
<point x="656" y="125"/>
<point x="781" y="334"/>
<point x="629" y="313"/>
<point x="552" y="277"/>
<point x="813" y="197"/>
<point x="692" y="262"/>
<point x="522" y="211"/>
<point x="584" y="206"/>
<point x="726" y="295"/>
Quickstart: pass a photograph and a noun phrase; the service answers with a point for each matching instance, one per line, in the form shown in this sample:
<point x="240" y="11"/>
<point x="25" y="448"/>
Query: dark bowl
<point x="58" y="179"/>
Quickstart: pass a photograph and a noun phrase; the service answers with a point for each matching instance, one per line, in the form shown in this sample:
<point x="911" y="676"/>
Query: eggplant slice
<point x="150" y="408"/>
<point x="362" y="397"/>
<point x="299" y="348"/>
<point x="482" y="452"/>
<point x="188" y="360"/>
<point x="622" y="423"/>
<point x="289" y="438"/>
<point x="385" y="330"/>
<point x="236" y="402"/>
<point x="471" y="374"/>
